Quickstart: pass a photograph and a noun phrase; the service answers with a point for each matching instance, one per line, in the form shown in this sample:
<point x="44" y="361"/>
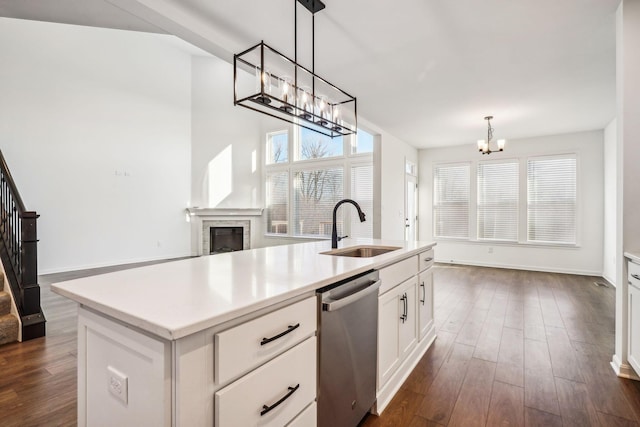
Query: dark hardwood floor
<point x="513" y="348"/>
<point x="516" y="348"/>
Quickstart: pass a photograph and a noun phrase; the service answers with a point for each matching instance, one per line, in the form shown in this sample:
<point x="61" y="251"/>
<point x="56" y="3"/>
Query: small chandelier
<point x="483" y="145"/>
<point x="268" y="82"/>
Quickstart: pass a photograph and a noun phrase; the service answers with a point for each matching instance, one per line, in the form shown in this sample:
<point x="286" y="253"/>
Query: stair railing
<point x="18" y="250"/>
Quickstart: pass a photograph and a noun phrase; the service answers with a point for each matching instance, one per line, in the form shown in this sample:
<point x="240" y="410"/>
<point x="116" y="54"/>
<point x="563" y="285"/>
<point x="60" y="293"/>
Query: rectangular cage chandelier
<point x="269" y="82"/>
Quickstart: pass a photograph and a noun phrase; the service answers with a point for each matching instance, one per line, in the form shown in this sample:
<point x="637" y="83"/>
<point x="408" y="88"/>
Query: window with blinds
<point x="362" y="192"/>
<point x="451" y="201"/>
<point x="497" y="207"/>
<point x="277" y="197"/>
<point x="551" y="199"/>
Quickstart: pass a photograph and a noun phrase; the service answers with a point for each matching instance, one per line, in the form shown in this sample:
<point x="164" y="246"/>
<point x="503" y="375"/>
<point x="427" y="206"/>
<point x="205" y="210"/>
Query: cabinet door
<point x="408" y="322"/>
<point x="425" y="302"/>
<point x="634" y="327"/>
<point x="389" y="312"/>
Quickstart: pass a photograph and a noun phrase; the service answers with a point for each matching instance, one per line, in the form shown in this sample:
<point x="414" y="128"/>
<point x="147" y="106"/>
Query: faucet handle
<point x="343" y="237"/>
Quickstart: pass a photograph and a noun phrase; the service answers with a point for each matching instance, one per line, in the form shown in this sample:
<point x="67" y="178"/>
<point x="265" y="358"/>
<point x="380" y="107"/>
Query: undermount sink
<point x="363" y="251"/>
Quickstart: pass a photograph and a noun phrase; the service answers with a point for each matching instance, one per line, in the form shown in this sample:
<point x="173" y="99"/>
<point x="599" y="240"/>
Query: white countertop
<point x="178" y="298"/>
<point x="633" y="256"/>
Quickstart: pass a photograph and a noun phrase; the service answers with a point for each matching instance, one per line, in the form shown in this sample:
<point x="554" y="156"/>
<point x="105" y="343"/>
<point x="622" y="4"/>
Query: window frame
<point x="518" y="201"/>
<point x="347" y="160"/>
<point x="469" y="204"/>
<point x="576" y="217"/>
<point x="523" y="195"/>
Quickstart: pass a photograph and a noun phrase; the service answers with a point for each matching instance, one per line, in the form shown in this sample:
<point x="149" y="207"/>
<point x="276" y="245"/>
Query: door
<point x="410" y="208"/>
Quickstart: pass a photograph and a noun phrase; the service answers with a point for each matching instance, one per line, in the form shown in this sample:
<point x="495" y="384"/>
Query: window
<point x="551" y="199"/>
<point x="277" y="148"/>
<point x="451" y="201"/>
<point x="302" y="191"/>
<point x="498" y="201"/>
<point x="362" y="192"/>
<point x="363" y="143"/>
<point x="316" y="192"/>
<point x="277" y="202"/>
<point x="313" y="145"/>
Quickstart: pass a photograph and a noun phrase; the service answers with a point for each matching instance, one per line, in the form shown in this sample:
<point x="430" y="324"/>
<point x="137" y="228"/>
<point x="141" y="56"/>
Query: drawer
<point x="425" y="260"/>
<point x="246" y="346"/>
<point x="308" y="417"/>
<point x="287" y="384"/>
<point x="634" y="274"/>
<point x="394" y="274"/>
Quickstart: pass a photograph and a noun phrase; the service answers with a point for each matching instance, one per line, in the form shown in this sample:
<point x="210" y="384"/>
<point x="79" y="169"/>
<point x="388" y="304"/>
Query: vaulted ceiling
<point x="426" y="71"/>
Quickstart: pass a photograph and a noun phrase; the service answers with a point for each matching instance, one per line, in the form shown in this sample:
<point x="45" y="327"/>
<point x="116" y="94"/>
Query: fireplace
<point x="225" y="239"/>
<point x="225" y="235"/>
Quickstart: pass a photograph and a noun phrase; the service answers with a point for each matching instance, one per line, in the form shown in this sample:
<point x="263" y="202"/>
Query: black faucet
<point x="334" y="229"/>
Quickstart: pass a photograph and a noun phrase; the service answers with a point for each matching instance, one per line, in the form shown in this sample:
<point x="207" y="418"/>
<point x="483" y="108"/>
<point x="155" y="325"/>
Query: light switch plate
<point x="118" y="384"/>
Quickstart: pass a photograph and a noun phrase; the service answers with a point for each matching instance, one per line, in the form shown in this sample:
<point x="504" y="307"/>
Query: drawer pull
<point x="428" y="259"/>
<point x="404" y="315"/>
<point x="280" y="335"/>
<point x="635" y="276"/>
<point x="266" y="408"/>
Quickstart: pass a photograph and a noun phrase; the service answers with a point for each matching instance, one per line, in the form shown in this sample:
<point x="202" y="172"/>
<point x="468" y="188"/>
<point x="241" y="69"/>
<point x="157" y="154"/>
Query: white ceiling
<point x="426" y="71"/>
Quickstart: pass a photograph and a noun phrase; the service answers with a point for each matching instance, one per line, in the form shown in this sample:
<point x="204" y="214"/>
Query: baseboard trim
<point x="623" y="370"/>
<point x="523" y="267"/>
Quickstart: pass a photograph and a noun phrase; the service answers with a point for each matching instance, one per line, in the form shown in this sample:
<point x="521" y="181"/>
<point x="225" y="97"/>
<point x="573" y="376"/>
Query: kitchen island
<point x="172" y="344"/>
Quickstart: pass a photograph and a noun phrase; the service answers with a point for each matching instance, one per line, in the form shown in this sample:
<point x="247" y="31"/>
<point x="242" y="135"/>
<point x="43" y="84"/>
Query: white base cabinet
<point x="129" y="378"/>
<point x="634" y="316"/>
<point x="405" y="322"/>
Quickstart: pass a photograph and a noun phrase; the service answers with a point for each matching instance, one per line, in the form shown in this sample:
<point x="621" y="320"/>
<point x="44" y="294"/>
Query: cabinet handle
<point x="406" y="301"/>
<point x="428" y="259"/>
<point x="280" y="335"/>
<point x="424" y="293"/>
<point x="635" y="276"/>
<point x="266" y="408"/>
<point x="403" y="298"/>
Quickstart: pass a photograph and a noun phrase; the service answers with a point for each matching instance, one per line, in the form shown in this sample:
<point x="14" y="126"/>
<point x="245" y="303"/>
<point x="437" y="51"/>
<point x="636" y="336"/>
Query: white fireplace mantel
<point x="203" y="219"/>
<point x="225" y="211"/>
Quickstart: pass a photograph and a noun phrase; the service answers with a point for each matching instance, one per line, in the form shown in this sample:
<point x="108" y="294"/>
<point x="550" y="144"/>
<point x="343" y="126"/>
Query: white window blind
<point x="277" y="206"/>
<point x="451" y="201"/>
<point x="551" y="200"/>
<point x="315" y="194"/>
<point x="498" y="201"/>
<point x="361" y="192"/>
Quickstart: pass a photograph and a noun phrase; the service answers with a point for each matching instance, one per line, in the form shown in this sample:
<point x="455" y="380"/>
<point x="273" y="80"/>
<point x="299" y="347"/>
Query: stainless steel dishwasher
<point x="348" y="345"/>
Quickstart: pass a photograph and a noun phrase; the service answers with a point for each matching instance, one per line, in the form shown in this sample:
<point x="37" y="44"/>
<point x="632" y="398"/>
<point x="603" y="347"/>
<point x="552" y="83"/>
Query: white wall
<point x="585" y="259"/>
<point x="226" y="152"/>
<point x="394" y="154"/>
<point x="628" y="159"/>
<point x="95" y="126"/>
<point x="610" y="243"/>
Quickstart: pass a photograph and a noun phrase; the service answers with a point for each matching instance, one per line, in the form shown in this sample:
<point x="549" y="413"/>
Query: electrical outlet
<point x="118" y="384"/>
<point x="490" y="250"/>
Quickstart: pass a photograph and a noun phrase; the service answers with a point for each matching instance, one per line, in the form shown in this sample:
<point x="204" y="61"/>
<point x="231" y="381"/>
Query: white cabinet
<point x="634" y="316"/>
<point x="250" y="344"/>
<point x="405" y="321"/>
<point x="272" y="395"/>
<point x="396" y="328"/>
<point x="425" y="303"/>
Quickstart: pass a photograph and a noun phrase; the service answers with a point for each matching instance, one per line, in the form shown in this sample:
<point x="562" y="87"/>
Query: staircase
<point x="19" y="258"/>
<point x="8" y="322"/>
